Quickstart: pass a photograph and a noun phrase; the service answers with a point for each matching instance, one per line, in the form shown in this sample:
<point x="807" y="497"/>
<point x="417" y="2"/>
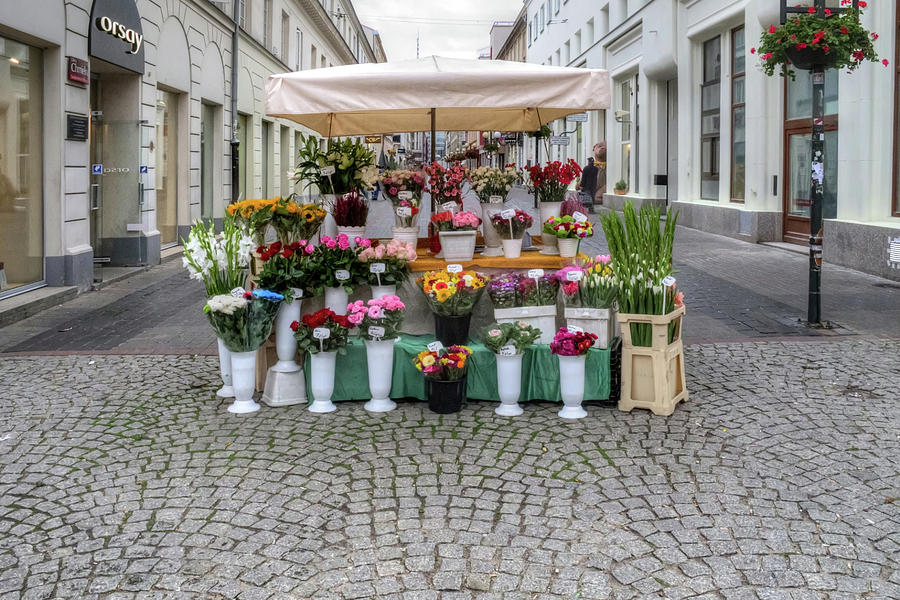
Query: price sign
<point x="454" y="268"/>
<point x="238" y="292"/>
<point x="574" y="329"/>
<point x="449" y="206"/>
<point x="535" y="273"/>
<point x="321" y="333"/>
<point x="507" y="214"/>
<point x="435" y="347"/>
<point x="342" y="275"/>
<point x="508" y="350"/>
<point x="574" y="275"/>
<point x="405" y="195"/>
<point x="580" y="217"/>
<point x="496" y="199"/>
<point x="404" y="211"/>
<point x="376" y="332"/>
<point x="376" y="268"/>
<point x="668" y="281"/>
<point x="326" y="171"/>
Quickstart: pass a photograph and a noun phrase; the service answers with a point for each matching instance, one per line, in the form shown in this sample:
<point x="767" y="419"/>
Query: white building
<point x="696" y="123"/>
<point x="115" y="122"/>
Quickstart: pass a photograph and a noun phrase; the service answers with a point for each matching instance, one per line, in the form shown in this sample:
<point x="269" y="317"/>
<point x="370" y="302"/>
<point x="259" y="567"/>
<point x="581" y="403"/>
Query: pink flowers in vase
<point x="571" y="342"/>
<point x="377" y="319"/>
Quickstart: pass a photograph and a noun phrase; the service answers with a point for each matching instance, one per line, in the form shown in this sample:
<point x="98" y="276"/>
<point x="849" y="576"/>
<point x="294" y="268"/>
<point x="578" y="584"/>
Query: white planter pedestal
<point x="227" y="390"/>
<point x="243" y="376"/>
<point x="568" y="247"/>
<point x="571" y="386"/>
<point x="336" y="300"/>
<point x="380" y="363"/>
<point x="512" y="248"/>
<point x="509" y="385"/>
<point x="321" y="381"/>
<point x="380" y="291"/>
<point x="458" y="245"/>
<point x="329" y="226"/>
<point x="492" y="246"/>
<point x="285" y="381"/>
<point x="352" y="233"/>
<point x="549" y="209"/>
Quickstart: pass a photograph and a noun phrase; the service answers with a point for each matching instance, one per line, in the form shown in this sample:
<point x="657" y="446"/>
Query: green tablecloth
<point x="540" y="373"/>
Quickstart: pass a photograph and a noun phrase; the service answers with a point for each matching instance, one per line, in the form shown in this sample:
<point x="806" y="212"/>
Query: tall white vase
<point x="512" y="248"/>
<point x="285" y="381"/>
<point x="549" y="209"/>
<point x="227" y="390"/>
<point x="243" y="376"/>
<point x="321" y="381"/>
<point x="329" y="226"/>
<point x="571" y="386"/>
<point x="492" y="240"/>
<point x="509" y="385"/>
<point x="336" y="299"/>
<point x="380" y="291"/>
<point x="568" y="247"/>
<point x="380" y="362"/>
<point x="407" y="235"/>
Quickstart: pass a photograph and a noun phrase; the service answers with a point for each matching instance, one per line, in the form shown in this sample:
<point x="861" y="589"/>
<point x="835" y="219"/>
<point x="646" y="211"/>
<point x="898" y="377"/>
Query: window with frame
<point x="299" y="36"/>
<point x="245" y="14"/>
<point x="543" y="18"/>
<point x="709" y="118"/>
<point x="285" y="36"/>
<point x="625" y="97"/>
<point x="555" y="6"/>
<point x="529" y="34"/>
<point x="267" y="24"/>
<point x="738" y="115"/>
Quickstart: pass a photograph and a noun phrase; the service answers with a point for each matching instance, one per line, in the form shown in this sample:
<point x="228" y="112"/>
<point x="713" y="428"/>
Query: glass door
<point x="207" y="143"/>
<point x="167" y="167"/>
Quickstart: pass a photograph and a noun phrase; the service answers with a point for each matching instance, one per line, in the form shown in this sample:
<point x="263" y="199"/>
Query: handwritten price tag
<point x="496" y="199"/>
<point x="508" y="350"/>
<point x="574" y="275"/>
<point x="580" y="217"/>
<point x="535" y="273"/>
<point x="574" y="329"/>
<point x="668" y="281"/>
<point x="321" y="333"/>
<point x="326" y="171"/>
<point x="375" y="331"/>
<point x="376" y="268"/>
<point x="238" y="292"/>
<point x="454" y="268"/>
<point x="404" y="211"/>
<point x="435" y="347"/>
<point x="507" y="214"/>
<point x="405" y="195"/>
<point x="342" y="275"/>
<point x="449" y="206"/>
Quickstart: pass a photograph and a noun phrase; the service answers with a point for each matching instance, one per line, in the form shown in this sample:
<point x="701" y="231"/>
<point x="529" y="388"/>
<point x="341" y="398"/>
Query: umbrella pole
<point x="433" y="141"/>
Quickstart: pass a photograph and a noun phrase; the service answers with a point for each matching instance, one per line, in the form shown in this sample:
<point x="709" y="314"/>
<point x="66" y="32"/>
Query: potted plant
<point x="323" y="335"/>
<point x="404" y="189"/>
<point x="571" y="345"/>
<point x="333" y="269"/>
<point x="589" y="293"/>
<point x="621" y="187"/>
<point x="457" y="234"/>
<point x="445" y="188"/>
<point x="350" y="212"/>
<point x="445" y="377"/>
<point x="386" y="266"/>
<point x="379" y="322"/>
<point x="492" y="186"/>
<point x="221" y="262"/>
<point x="510" y="225"/>
<point x="550" y="183"/>
<point x="835" y="39"/>
<point x="569" y="231"/>
<point x="243" y="320"/>
<point x="529" y="297"/>
<point x="451" y="297"/>
<point x="293" y="222"/>
<point x="508" y="341"/>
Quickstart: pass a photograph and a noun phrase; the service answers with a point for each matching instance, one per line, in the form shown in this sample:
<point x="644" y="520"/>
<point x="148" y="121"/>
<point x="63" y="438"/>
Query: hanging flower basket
<point x="807" y="58"/>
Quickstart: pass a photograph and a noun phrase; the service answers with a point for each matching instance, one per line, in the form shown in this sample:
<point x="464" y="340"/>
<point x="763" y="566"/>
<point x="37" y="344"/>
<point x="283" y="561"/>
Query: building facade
<point x="116" y="122"/>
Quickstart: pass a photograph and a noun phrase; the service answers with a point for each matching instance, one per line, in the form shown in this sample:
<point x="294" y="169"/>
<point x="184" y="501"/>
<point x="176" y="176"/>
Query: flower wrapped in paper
<point x="243" y="321"/>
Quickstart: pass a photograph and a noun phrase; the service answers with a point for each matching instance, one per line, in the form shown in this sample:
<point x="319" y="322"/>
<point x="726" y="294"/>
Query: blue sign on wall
<point x="97" y="169"/>
<point x="143" y="168"/>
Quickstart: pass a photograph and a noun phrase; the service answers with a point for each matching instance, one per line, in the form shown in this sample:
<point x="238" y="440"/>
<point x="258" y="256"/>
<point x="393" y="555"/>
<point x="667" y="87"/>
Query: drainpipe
<point x="235" y="143"/>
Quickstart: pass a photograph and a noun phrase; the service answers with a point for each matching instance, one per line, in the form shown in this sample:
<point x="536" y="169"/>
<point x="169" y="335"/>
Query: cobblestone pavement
<point x="121" y="477"/>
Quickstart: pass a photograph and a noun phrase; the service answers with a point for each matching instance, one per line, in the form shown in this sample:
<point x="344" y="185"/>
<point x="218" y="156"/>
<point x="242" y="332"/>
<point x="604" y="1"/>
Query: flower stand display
<point x="406" y="235"/>
<point x="599" y="321"/>
<point x="352" y="233"/>
<point x="285" y="382"/>
<point x="653" y="376"/>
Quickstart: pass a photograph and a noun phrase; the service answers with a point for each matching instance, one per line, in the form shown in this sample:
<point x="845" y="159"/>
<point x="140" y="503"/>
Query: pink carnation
<point x="375" y="312"/>
<point x="356" y="317"/>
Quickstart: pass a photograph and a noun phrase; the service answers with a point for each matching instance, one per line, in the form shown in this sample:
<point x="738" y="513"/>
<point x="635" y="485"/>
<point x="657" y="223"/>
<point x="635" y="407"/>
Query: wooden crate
<point x="653" y="376"/>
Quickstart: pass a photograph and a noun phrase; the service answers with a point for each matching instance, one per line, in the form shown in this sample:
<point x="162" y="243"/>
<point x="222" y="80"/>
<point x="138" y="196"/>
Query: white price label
<point x="496" y="199"/>
<point x="535" y="273"/>
<point x="580" y="217"/>
<point x="507" y="214"/>
<point x="376" y="268"/>
<point x="435" y="347"/>
<point x="375" y="331"/>
<point x="321" y="333"/>
<point x="405" y="195"/>
<point x="326" y="171"/>
<point x="454" y="268"/>
<point x="404" y="211"/>
<point x="574" y="275"/>
<point x="342" y="274"/>
<point x="508" y="350"/>
<point x="574" y="329"/>
<point x="238" y="292"/>
<point x="449" y="206"/>
<point x="668" y="281"/>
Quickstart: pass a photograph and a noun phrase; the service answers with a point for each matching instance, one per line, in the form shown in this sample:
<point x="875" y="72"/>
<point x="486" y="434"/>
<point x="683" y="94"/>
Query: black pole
<point x="433" y="136"/>
<point x="537" y="161"/>
<point x="816" y="195"/>
<point x="235" y="142"/>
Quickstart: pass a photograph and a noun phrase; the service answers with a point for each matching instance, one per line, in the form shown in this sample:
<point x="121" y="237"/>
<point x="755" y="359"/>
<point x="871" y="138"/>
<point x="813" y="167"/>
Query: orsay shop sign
<point x="116" y="36"/>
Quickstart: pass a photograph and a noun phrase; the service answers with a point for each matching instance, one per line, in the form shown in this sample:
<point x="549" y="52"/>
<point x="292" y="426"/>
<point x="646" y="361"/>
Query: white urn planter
<point x="321" y="381"/>
<point x="406" y="235"/>
<point x="285" y="381"/>
<point x="512" y="248"/>
<point x="336" y="299"/>
<point x="492" y="245"/>
<point x="509" y="385"/>
<point x="458" y="245"/>
<point x="571" y="386"/>
<point x="380" y="363"/>
<point x="329" y="226"/>
<point x="352" y="233"/>
<point x="549" y="209"/>
<point x="243" y="376"/>
<point x="227" y="390"/>
<point x="568" y="247"/>
<point x="380" y="291"/>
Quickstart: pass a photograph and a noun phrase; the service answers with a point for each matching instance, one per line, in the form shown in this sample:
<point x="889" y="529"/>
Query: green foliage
<point x="519" y="334"/>
<point x="348" y="157"/>
<point x="621" y="185"/>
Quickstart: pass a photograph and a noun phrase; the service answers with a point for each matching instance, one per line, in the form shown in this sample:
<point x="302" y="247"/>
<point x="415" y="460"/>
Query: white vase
<point x="458" y="245"/>
<point x="285" y="343"/>
<point x="329" y="226"/>
<point x="380" y="291"/>
<point x="406" y="235"/>
<point x="509" y="385"/>
<point x="243" y="376"/>
<point x="380" y="362"/>
<point x="321" y="381"/>
<point x="336" y="299"/>
<point x="571" y="386"/>
<point x="352" y="233"/>
<point x="492" y="246"/>
<point x="568" y="247"/>
<point x="549" y="209"/>
<point x="512" y="248"/>
<point x="227" y="390"/>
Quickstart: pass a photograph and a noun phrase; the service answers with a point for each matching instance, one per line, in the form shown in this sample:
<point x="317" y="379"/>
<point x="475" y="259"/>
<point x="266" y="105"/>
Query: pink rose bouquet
<point x="379" y="319"/>
<point x="395" y="256"/>
<point x="334" y="263"/>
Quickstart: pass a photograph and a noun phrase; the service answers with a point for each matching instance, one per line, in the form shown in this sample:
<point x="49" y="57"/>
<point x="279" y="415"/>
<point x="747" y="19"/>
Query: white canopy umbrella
<point x="434" y="93"/>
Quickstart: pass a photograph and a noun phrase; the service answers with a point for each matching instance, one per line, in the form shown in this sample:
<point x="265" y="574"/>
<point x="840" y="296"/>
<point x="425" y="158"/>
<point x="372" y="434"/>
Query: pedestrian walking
<point x="588" y="183"/>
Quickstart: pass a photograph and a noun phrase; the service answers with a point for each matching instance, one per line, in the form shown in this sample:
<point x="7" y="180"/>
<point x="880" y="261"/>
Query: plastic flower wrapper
<point x="513" y="228"/>
<point x="385" y="313"/>
<point x="518" y="334"/>
<point x="568" y="343"/>
<point x="599" y="287"/>
<point x="395" y="256"/>
<point x="218" y="260"/>
<point x="337" y="325"/>
<point x="243" y="323"/>
<point x="452" y="294"/>
<point x="542" y="291"/>
<point x="569" y="287"/>
<point x="404" y="189"/>
<point x="334" y="257"/>
<point x="503" y="290"/>
<point x="447" y="364"/>
<point x="284" y="267"/>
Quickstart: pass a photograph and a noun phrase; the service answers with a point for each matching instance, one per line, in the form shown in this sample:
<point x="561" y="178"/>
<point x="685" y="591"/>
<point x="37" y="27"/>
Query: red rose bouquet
<point x="322" y="331"/>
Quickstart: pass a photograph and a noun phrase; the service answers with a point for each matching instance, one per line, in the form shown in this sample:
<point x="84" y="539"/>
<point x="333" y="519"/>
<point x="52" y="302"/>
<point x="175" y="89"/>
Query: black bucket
<point x="445" y="397"/>
<point x="452" y="330"/>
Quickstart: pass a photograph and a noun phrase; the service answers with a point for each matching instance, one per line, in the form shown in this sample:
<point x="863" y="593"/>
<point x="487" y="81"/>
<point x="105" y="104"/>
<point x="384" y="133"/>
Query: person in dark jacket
<point x="588" y="183"/>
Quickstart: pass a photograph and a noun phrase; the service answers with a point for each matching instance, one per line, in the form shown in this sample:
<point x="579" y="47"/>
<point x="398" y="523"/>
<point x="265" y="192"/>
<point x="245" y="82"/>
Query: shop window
<point x="167" y="167"/>
<point x="625" y="104"/>
<point x="285" y="37"/>
<point x="709" y="119"/>
<point x="245" y="14"/>
<point x="738" y="116"/>
<point x="299" y="35"/>
<point x="267" y="24"/>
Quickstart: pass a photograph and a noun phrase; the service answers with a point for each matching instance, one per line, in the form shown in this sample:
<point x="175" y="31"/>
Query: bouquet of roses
<point x="461" y="221"/>
<point x="518" y="335"/>
<point x="243" y="320"/>
<point x="253" y="215"/>
<point x="452" y="294"/>
<point x="377" y="319"/>
<point x="444" y="184"/>
<point x="511" y="228"/>
<point x="404" y="189"/>
<point x="447" y="364"/>
<point x="571" y="342"/>
<point x="334" y="264"/>
<point x="219" y="260"/>
<point x="537" y="291"/>
<point x="350" y="209"/>
<point x="337" y="326"/>
<point x="568" y="227"/>
<point x="344" y="166"/>
<point x="394" y="258"/>
<point x="284" y="267"/>
<point x="491" y="181"/>
<point x="551" y="181"/>
<point x="292" y="221"/>
<point x="503" y="290"/>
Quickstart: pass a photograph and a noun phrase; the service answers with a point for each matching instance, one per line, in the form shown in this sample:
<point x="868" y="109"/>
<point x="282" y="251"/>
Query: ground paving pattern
<point x="121" y="477"/>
